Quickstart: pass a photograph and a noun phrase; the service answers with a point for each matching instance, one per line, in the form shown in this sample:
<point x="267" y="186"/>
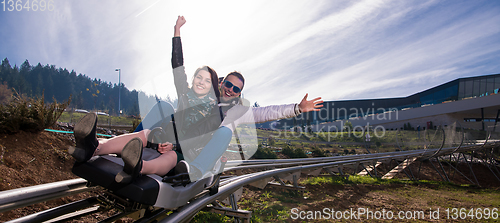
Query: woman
<point x="230" y="91"/>
<point x="195" y="103"/>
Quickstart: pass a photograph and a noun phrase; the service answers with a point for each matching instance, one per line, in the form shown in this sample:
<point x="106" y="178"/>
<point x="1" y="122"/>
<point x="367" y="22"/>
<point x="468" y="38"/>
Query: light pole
<point x="119" y="90"/>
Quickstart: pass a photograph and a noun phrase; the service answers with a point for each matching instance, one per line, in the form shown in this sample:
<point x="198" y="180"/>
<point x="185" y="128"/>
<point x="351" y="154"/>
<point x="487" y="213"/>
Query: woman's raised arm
<point x="177" y="28"/>
<point x="180" y="77"/>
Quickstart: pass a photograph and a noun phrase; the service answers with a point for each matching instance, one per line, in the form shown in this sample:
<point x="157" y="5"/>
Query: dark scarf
<point x="198" y="108"/>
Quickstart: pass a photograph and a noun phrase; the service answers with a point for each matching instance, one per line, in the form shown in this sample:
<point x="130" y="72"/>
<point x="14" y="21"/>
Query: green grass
<point x="275" y="205"/>
<point x="204" y="216"/>
<point x="337" y="180"/>
<point x="266" y="207"/>
<point x="288" y="197"/>
<point x="102" y="120"/>
<point x="447" y="195"/>
<point x="389" y="141"/>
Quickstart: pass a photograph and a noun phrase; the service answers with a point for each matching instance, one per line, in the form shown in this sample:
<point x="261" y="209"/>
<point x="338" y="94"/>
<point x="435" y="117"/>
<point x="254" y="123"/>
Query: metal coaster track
<point x="22" y="197"/>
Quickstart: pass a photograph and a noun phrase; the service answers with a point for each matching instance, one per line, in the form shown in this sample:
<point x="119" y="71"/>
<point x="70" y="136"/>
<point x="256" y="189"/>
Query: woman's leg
<point x="116" y="144"/>
<point x="160" y="165"/>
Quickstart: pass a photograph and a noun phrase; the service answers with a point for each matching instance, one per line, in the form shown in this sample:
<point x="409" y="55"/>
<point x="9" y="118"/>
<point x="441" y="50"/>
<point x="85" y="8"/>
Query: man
<point x="234" y="114"/>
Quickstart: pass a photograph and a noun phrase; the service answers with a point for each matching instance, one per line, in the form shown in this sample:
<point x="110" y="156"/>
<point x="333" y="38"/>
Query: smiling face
<point x="228" y="93"/>
<point x="202" y="83"/>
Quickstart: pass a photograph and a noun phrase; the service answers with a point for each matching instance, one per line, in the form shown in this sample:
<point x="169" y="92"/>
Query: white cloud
<point x="377" y="60"/>
<point x="334" y="49"/>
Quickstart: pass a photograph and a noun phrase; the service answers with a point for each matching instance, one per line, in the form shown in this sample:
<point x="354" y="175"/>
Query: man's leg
<point x="211" y="152"/>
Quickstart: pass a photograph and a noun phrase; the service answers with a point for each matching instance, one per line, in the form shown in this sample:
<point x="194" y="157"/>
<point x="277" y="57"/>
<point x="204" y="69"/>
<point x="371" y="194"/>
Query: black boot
<point x="181" y="167"/>
<point x="132" y="158"/>
<point x="181" y="174"/>
<point x="85" y="137"/>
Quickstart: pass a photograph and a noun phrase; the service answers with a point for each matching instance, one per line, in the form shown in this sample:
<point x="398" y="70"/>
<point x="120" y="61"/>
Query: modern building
<point x="474" y="102"/>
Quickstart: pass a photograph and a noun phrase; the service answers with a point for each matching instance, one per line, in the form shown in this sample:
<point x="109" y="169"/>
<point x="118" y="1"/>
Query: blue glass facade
<point x="478" y="86"/>
<point x="458" y="89"/>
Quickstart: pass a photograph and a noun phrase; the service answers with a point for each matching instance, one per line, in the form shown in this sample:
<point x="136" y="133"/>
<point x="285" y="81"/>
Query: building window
<point x="476" y="90"/>
<point x="490" y="85"/>
<point x="469" y="86"/>
<point x="461" y="89"/>
<point x="497" y="82"/>
<point x="479" y="120"/>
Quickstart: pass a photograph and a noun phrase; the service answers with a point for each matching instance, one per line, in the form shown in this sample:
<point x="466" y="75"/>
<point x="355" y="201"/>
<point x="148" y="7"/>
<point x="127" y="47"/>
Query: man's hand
<point x="312" y="105"/>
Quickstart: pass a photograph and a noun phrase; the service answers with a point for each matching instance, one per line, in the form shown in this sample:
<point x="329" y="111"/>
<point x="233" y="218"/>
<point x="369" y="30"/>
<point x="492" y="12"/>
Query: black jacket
<point x="200" y="130"/>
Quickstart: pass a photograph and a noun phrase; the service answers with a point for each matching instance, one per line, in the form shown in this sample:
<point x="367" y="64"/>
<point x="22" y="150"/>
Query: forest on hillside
<point x="60" y="84"/>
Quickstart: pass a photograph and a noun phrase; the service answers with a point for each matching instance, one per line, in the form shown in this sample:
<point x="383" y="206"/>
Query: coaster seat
<point x="146" y="189"/>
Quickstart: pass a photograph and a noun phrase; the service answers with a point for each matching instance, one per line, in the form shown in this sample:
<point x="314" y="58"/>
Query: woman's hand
<point x="177" y="28"/>
<point x="312" y="105"/>
<point x="165" y="147"/>
<point x="180" y="21"/>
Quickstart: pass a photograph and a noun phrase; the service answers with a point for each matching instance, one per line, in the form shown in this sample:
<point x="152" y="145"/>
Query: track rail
<point x="25" y="196"/>
<point x="231" y="185"/>
<point x="22" y="197"/>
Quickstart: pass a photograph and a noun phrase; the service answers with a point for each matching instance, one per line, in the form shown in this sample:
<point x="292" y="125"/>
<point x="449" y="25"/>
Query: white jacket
<point x="240" y="114"/>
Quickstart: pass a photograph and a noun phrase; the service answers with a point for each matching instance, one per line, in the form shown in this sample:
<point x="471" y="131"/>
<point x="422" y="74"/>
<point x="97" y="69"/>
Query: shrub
<point x="135" y="123"/>
<point x="264" y="153"/>
<point x="271" y="141"/>
<point x="318" y="152"/>
<point x="294" y="153"/>
<point x="288" y="150"/>
<point x="300" y="153"/>
<point x="28" y="114"/>
<point x="5" y="93"/>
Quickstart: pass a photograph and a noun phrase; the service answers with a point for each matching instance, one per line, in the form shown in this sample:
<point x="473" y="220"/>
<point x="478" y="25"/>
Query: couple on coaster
<point x="202" y="108"/>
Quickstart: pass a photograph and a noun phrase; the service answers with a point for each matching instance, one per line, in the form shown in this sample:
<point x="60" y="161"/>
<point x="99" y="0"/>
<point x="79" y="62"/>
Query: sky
<point x="337" y="50"/>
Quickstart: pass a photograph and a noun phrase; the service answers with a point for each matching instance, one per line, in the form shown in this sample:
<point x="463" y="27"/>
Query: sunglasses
<point x="231" y="85"/>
